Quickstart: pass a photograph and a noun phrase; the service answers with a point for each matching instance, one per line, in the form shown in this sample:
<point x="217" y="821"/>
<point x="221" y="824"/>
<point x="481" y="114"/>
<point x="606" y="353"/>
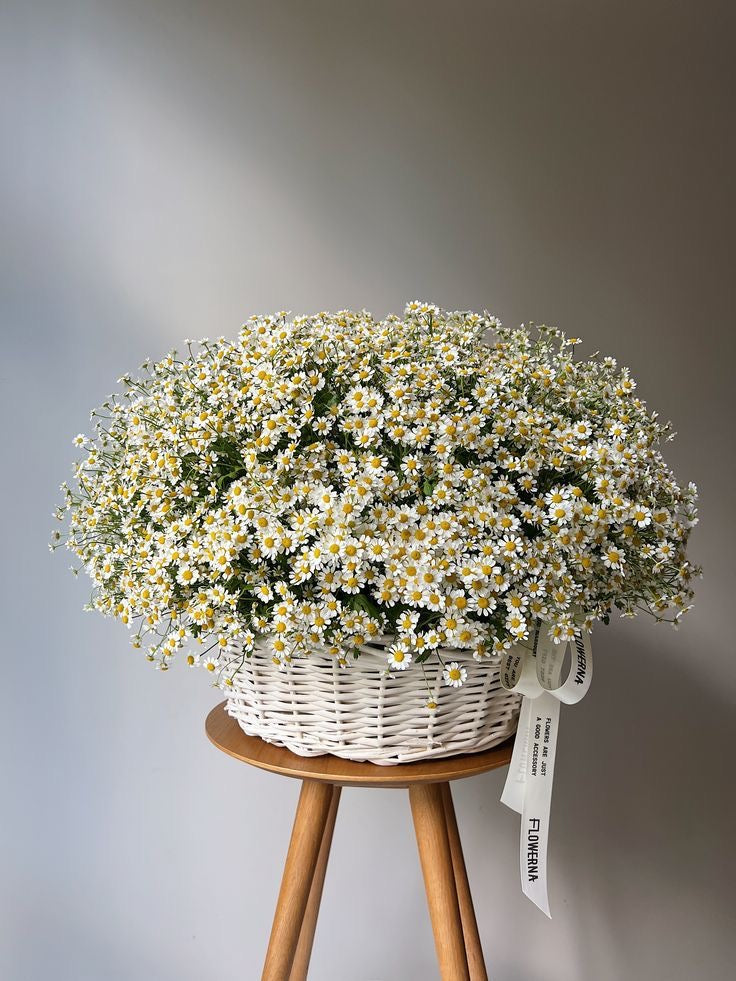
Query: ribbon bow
<point x="536" y="674"/>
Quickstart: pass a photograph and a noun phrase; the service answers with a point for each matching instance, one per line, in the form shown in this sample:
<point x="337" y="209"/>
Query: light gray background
<point x="170" y="168"/>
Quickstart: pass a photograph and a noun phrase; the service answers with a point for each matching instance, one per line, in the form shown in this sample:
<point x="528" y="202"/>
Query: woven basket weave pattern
<point x="316" y="707"/>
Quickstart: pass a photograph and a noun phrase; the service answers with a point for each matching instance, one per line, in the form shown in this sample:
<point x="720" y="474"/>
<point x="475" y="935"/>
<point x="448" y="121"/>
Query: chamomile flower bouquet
<point x="337" y="497"/>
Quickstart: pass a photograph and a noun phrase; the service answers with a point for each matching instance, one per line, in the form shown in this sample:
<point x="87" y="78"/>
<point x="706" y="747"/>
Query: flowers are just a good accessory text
<point x="536" y="674"/>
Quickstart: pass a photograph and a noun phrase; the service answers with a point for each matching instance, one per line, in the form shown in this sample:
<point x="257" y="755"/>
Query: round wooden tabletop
<point x="225" y="733"/>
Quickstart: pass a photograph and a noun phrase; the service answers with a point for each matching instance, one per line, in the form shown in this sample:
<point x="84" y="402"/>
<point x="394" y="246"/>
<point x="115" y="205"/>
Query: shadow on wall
<point x="639" y="820"/>
<point x="651" y="769"/>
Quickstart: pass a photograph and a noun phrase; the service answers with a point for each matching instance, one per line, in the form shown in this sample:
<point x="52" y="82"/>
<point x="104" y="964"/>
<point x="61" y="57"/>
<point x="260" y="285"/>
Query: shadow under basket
<point x="359" y="713"/>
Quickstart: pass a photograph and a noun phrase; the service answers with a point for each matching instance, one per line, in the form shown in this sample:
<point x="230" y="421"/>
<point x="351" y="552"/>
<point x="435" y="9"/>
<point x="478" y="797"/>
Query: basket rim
<point x="376" y="647"/>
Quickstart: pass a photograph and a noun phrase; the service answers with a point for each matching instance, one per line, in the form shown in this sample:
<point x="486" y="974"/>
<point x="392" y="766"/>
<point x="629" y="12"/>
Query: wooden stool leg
<point x="300" y="967"/>
<point x="312" y="812"/>
<point x="430" y="826"/>
<point x="473" y="949"/>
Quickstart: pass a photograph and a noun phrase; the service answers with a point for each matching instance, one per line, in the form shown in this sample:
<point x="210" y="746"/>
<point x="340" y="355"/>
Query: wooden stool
<point x="445" y="879"/>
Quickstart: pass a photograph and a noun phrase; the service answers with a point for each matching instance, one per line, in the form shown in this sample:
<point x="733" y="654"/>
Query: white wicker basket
<point x="316" y="707"/>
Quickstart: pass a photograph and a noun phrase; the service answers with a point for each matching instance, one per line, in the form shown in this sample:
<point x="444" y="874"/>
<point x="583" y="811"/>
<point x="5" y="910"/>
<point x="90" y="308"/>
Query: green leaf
<point x="363" y="604"/>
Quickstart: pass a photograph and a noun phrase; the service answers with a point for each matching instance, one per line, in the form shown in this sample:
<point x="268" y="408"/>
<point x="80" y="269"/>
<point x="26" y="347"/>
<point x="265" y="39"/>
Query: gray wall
<point x="170" y="168"/>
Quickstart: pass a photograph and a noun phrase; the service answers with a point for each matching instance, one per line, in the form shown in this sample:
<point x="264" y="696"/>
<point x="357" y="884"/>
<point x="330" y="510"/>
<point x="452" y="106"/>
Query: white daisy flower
<point x="454" y="675"/>
<point x="613" y="557"/>
<point x="641" y="517"/>
<point x="399" y="656"/>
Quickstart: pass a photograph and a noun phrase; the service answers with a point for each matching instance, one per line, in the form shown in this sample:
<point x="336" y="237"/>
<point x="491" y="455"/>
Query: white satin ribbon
<point x="536" y="675"/>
